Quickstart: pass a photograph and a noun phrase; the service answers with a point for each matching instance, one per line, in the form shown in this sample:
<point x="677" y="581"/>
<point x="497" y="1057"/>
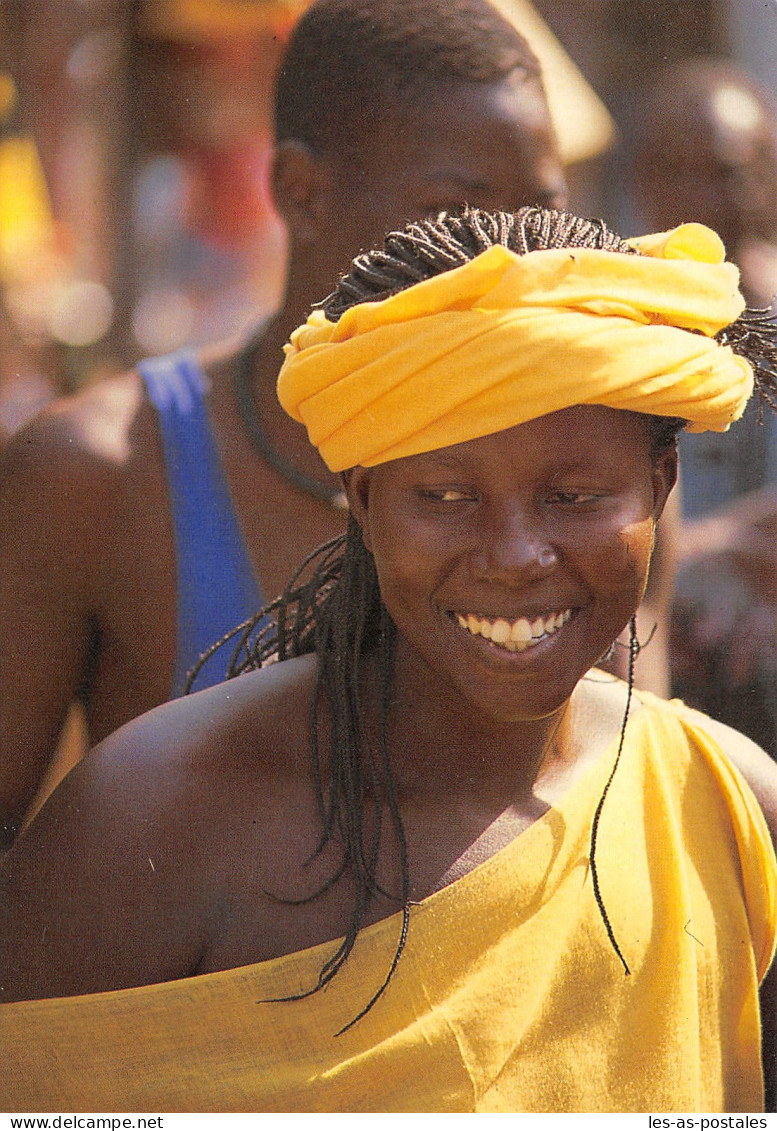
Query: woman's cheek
<point x="631" y="559"/>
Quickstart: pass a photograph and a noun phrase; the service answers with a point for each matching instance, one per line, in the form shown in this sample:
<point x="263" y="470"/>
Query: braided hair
<point x="430" y="247"/>
<point x="332" y="607"/>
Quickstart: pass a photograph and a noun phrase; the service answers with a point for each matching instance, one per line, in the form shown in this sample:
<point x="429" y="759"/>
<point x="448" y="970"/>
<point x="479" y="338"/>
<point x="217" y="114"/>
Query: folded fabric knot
<point x="506" y="338"/>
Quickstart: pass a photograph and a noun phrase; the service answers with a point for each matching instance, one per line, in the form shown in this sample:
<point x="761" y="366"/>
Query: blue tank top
<point x="215" y="583"/>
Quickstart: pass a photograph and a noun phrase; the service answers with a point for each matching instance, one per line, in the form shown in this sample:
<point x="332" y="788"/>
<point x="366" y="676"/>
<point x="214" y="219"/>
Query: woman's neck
<point x="438" y="743"/>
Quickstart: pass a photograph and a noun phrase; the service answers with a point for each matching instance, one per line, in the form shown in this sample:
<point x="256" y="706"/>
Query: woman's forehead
<point x="581" y="430"/>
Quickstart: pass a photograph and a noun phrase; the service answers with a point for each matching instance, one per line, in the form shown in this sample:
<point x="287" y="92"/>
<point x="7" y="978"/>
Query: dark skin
<point x="87" y="569"/>
<point x="125" y="878"/>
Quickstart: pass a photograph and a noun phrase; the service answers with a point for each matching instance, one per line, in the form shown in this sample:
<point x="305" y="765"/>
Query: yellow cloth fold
<point x="507" y="338"/>
<point x="508" y="997"/>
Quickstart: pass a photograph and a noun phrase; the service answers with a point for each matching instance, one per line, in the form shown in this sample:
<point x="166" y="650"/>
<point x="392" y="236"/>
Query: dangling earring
<point x="634" y="645"/>
<point x="634" y="650"/>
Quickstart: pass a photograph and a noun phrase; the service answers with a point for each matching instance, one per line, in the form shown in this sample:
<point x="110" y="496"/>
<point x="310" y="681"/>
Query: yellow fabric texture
<point x="508" y="998"/>
<point x="507" y="338"/>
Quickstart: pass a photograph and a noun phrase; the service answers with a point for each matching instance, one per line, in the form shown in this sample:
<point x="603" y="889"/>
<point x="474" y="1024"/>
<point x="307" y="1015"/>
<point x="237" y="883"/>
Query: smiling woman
<point x="435" y="860"/>
<point x="544" y="527"/>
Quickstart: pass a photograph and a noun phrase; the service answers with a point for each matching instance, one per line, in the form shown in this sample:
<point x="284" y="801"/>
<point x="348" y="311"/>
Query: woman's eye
<point x="573" y="498"/>
<point x="447" y="494"/>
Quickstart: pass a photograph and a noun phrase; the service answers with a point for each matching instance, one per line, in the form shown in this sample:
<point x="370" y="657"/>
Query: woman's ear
<point x="664" y="478"/>
<point x="300" y="183"/>
<point x="356" y="481"/>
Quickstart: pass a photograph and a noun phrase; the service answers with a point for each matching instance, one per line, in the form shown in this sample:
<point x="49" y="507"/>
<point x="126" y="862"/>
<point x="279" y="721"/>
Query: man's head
<point x="706" y="149"/>
<point x="387" y="110"/>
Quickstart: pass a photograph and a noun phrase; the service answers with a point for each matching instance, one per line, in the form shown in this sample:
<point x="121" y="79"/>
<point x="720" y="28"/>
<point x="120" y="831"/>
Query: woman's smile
<point x="514" y="635"/>
<point x="508" y="647"/>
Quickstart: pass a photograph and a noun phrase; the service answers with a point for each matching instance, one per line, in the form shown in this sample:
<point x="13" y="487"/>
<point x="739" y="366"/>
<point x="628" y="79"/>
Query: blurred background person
<point x="706" y="146"/>
<point x="148" y="514"/>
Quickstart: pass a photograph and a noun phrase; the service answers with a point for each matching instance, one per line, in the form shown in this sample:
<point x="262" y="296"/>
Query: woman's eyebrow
<point x="447" y="460"/>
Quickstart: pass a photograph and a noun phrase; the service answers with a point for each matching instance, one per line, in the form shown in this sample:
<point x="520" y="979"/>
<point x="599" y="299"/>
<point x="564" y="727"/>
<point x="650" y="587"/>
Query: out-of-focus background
<point x="134" y="212"/>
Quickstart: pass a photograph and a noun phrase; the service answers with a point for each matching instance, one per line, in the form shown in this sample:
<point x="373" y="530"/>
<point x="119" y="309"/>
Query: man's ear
<point x="300" y="183"/>
<point x="356" y="482"/>
<point x="664" y="478"/>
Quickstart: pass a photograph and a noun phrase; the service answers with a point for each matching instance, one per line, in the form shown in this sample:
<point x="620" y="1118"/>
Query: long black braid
<point x="332" y="606"/>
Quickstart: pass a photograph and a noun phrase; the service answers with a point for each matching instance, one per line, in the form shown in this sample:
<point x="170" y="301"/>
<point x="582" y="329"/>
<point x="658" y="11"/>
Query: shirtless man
<point x="384" y="109"/>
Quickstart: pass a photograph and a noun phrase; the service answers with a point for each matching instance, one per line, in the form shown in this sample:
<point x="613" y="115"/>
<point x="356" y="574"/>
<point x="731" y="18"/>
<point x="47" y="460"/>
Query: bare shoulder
<point x="120" y="878"/>
<point x="61" y="479"/>
<point x="93" y="427"/>
<point x="71" y="459"/>
<point x="242" y="722"/>
<point x="189" y="755"/>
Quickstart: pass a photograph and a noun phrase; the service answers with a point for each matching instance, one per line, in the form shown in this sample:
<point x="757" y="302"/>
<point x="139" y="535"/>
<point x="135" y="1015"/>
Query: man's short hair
<point x="349" y="62"/>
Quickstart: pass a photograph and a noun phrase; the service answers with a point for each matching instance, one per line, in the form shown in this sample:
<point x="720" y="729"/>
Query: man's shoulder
<point x="98" y="428"/>
<point x="69" y="468"/>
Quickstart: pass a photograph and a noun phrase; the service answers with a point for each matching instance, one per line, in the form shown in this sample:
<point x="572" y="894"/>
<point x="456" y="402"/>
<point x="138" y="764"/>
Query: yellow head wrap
<point x="507" y="338"/>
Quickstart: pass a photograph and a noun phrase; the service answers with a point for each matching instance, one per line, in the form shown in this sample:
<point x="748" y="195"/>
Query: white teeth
<point x="500" y="631"/>
<point x="518" y="635"/>
<point x="521" y="631"/>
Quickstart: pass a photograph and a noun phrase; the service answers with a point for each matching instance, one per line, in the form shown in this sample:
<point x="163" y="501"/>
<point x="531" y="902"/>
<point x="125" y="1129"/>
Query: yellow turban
<point x="507" y="338"/>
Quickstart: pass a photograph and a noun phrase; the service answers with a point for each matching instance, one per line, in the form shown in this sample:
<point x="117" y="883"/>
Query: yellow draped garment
<point x="508" y="998"/>
<point x="506" y="338"/>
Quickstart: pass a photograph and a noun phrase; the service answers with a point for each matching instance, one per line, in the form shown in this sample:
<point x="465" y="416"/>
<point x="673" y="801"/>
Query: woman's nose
<point x="512" y="546"/>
